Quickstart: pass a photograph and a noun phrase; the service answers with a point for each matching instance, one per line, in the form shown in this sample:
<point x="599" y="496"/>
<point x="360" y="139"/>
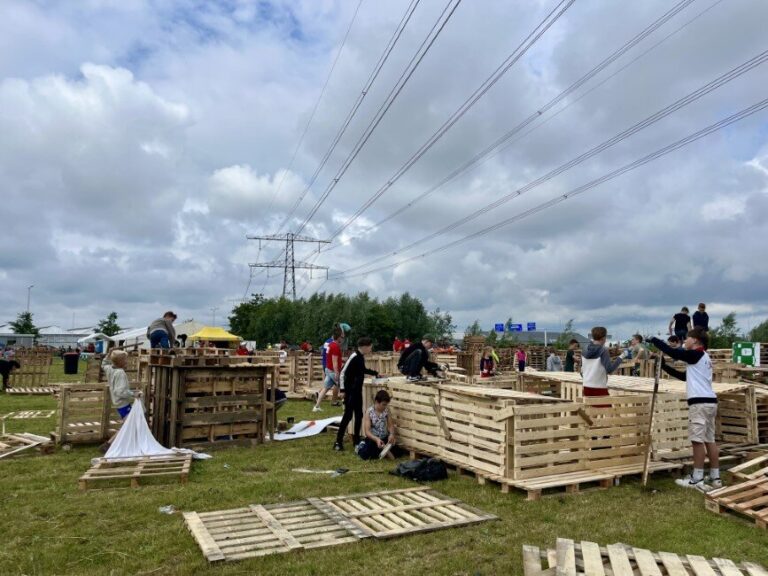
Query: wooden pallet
<point x="12" y="444"/>
<point x="589" y="559"/>
<point x="751" y="469"/>
<point x="136" y="471"/>
<point x="28" y="414"/>
<point x="41" y="391"/>
<point x="748" y="498"/>
<point x="318" y="522"/>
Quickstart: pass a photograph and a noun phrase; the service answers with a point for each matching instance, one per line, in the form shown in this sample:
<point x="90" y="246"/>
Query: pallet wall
<point x="84" y="414"/>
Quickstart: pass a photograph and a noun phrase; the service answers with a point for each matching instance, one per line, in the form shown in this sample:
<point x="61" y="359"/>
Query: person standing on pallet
<point x="114" y="365"/>
<point x="352" y="377"/>
<point x="6" y="367"/>
<point x="161" y="332"/>
<point x="596" y="364"/>
<point x="570" y="356"/>
<point x="332" y="367"/>
<point x="702" y="406"/>
<point x="415" y="358"/>
<point x="639" y="353"/>
<point x="701" y="318"/>
<point x="680" y="323"/>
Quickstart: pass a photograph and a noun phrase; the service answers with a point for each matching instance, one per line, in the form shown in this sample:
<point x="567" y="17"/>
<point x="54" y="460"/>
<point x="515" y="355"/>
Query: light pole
<point x="29" y="294"/>
<point x="213" y="311"/>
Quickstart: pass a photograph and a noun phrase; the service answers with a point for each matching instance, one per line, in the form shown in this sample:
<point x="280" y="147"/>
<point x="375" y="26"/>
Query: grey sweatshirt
<point x="119" y="389"/>
<point x="164" y="325"/>
<point x="596" y="364"/>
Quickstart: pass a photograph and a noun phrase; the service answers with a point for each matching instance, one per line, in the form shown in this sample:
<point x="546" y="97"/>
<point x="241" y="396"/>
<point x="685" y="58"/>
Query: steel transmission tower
<point x="289" y="264"/>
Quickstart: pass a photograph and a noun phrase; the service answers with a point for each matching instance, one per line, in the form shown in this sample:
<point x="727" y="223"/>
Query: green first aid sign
<point x="747" y="353"/>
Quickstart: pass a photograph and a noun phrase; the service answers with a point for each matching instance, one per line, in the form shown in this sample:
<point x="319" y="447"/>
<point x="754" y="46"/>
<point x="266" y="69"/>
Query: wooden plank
<point x="277" y="529"/>
<point x="673" y="564"/>
<point x="566" y="558"/>
<point x="700" y="566"/>
<point x="207" y="544"/>
<point x="619" y="560"/>
<point x="646" y="563"/>
<point x="531" y="561"/>
<point x="440" y="419"/>
<point x="727" y="567"/>
<point x="593" y="560"/>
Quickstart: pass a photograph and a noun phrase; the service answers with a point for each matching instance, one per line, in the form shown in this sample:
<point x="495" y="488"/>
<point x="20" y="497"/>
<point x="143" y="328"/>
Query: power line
<point x="489" y="82"/>
<point x="623" y="135"/>
<point x="725" y="122"/>
<point x="504" y="142"/>
<point x="314" y="109"/>
<point x="356" y="106"/>
<point x="405" y="76"/>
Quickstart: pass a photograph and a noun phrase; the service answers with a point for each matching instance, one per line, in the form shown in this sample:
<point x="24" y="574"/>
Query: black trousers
<point x="412" y="364"/>
<point x="353" y="406"/>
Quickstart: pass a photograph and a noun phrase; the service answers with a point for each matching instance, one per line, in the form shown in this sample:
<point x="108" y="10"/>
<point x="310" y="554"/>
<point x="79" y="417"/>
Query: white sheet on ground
<point x="307" y="428"/>
<point x="135" y="439"/>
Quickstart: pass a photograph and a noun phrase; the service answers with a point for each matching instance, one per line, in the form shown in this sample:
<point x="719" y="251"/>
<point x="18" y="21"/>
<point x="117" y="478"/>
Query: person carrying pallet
<point x="702" y="406"/>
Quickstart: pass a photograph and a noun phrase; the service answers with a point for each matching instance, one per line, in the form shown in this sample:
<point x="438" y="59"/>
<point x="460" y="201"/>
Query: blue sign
<point x="515" y="327"/>
<point x="531" y="326"/>
<point x="499" y="327"/>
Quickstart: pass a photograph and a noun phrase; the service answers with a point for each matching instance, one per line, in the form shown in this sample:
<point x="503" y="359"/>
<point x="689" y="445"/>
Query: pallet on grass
<point x="44" y="391"/>
<point x="12" y="444"/>
<point x="26" y="415"/>
<point x="259" y="530"/>
<point x="135" y="472"/>
<point x="84" y="414"/>
<point x="748" y="498"/>
<point x="570" y="558"/>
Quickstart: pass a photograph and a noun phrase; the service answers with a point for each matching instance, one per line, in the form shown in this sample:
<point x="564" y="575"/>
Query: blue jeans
<point x="159" y="339"/>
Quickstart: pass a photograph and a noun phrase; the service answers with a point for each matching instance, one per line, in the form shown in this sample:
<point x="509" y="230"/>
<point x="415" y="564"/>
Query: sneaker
<point x="337" y="403"/>
<point x="357" y="448"/>
<point x="317" y="409"/>
<point x="338" y="447"/>
<point x="708" y="485"/>
<point x="414" y="378"/>
<point x="689" y="482"/>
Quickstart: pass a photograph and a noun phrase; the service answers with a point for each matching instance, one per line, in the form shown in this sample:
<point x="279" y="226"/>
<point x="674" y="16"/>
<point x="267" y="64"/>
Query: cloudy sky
<point x="140" y="141"/>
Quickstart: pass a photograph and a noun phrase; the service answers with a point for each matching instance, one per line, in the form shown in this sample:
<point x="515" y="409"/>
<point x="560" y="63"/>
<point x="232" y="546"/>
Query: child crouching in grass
<point x="378" y="428"/>
<point x="114" y="365"/>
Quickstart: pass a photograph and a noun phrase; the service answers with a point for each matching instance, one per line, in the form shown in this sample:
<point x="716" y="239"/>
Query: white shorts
<point x="701" y="423"/>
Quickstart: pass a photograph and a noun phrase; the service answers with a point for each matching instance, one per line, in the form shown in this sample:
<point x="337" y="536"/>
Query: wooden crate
<point x="30" y="375"/>
<point x="85" y="414"/>
<point x="260" y="530"/>
<point x="135" y="472"/>
<point x="748" y="498"/>
<point x="737" y="416"/>
<point x="570" y="558"/>
<point x="214" y="405"/>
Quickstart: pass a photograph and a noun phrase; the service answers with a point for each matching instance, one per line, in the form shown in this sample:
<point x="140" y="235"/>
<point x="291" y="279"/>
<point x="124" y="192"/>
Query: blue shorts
<point x="124" y="411"/>
<point x="330" y="379"/>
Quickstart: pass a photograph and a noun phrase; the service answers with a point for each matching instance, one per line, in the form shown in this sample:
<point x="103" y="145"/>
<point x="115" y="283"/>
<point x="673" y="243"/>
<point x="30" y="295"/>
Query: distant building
<point x="57" y="337"/>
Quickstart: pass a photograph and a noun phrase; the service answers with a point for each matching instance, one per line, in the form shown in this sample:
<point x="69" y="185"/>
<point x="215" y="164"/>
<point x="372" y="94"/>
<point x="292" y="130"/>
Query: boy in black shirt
<point x="415" y="357"/>
<point x="681" y="322"/>
<point x="352" y="376"/>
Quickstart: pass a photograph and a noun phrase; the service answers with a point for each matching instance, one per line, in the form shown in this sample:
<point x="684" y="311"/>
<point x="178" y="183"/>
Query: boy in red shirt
<point x="333" y="366"/>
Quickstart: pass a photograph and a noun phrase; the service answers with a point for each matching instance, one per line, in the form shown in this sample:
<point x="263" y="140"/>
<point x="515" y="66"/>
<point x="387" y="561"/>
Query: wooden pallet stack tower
<point x="199" y="404"/>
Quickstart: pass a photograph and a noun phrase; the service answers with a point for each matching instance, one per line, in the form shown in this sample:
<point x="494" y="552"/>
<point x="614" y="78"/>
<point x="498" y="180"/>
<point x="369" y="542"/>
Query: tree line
<point x="269" y="320"/>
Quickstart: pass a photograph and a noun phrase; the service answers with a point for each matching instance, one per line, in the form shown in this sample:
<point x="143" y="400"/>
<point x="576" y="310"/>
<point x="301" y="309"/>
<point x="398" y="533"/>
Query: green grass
<point x="56" y="373"/>
<point x="50" y="527"/>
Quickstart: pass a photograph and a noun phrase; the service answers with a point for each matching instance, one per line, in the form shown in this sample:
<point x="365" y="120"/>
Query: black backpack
<point x="424" y="470"/>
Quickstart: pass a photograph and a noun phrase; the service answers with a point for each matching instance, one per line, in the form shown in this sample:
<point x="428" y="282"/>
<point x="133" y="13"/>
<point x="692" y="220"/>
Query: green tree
<point x="759" y="333"/>
<point x="441" y="325"/>
<point x="565" y="336"/>
<point x="24" y="325"/>
<point x="726" y="334"/>
<point x="109" y="325"/>
<point x="473" y="329"/>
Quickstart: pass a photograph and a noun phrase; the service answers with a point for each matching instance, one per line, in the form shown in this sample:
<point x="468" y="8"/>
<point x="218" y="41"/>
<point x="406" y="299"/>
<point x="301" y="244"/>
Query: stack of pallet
<point x="523" y="440"/>
<point x="34" y="371"/>
<point x="84" y="414"/>
<point x="208" y="405"/>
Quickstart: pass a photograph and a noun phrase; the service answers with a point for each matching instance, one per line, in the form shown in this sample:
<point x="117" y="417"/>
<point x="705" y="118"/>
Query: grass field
<point x="50" y="527"/>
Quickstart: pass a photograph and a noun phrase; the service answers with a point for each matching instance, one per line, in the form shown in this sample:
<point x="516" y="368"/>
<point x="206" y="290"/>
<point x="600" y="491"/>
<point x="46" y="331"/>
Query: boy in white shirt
<point x="702" y="405"/>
